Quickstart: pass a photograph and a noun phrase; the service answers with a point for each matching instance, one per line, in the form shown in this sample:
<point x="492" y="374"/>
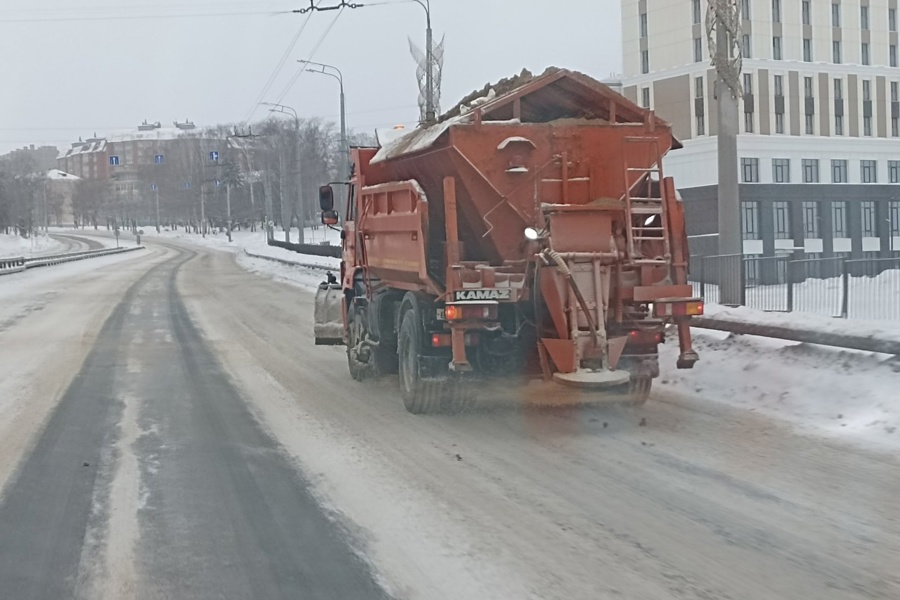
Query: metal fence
<point x="836" y="287"/>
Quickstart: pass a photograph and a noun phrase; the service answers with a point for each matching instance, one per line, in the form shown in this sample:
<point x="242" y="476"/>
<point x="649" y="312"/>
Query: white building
<point x="819" y="141"/>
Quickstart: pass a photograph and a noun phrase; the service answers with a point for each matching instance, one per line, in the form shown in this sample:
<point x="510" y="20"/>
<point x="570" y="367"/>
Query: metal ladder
<point x="639" y="210"/>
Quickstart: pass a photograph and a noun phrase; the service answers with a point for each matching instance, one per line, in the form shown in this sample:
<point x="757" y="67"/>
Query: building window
<point x="894" y="171"/>
<point x="748" y="122"/>
<point x="782" y="220"/>
<point x="804" y="9"/>
<point x="808" y="87"/>
<point x="839" y="171"/>
<point x="864" y="52"/>
<point x="809" y="124"/>
<point x="643" y="25"/>
<point x="779" y="85"/>
<point x="894" y="210"/>
<point x="839" y="219"/>
<point x="810" y="170"/>
<point x="811" y="220"/>
<point x="700" y="119"/>
<point x="748" y="83"/>
<point x="698" y="49"/>
<point x="807" y="50"/>
<point x="867" y="97"/>
<point x="776" y="11"/>
<point x="868" y="171"/>
<point x="835" y="15"/>
<point x="750" y="170"/>
<point x="695" y="6"/>
<point x="745" y="45"/>
<point x="779" y="122"/>
<point x="839" y="102"/>
<point x="864" y="18"/>
<point x="892" y="55"/>
<point x="645" y="97"/>
<point x="745" y="10"/>
<point x="895" y="122"/>
<point x="892" y="19"/>
<point x="781" y="170"/>
<point x="645" y="61"/>
<point x="776" y="47"/>
<point x="869" y="225"/>
<point x="836" y="52"/>
<point x="750" y="220"/>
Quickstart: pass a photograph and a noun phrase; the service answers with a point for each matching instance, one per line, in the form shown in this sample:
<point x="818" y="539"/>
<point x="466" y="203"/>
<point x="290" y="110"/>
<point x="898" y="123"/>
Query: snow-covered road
<point x="224" y="420"/>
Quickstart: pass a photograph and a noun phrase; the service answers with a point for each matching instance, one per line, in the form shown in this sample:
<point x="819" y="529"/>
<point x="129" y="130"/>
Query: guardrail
<point x="292" y="263"/>
<point x="12" y="264"/>
<point x="19" y="263"/>
<point x="312" y="249"/>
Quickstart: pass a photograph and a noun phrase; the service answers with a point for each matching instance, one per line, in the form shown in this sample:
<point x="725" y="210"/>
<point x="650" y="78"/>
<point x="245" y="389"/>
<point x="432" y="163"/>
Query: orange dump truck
<point x="527" y="234"/>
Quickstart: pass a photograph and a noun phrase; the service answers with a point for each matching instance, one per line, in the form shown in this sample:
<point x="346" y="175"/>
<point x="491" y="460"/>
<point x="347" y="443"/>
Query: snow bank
<point x="822" y="391"/>
<point x="882" y="330"/>
<point x="14" y="245"/>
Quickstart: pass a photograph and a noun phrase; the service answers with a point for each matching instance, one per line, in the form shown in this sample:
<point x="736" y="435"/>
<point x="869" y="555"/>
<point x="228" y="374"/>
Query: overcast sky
<point x="69" y="68"/>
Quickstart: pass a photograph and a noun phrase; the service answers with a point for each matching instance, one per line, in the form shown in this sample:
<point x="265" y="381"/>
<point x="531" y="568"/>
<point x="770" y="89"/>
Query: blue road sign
<point x="214" y="156"/>
<point x="187" y="185"/>
<point x="153" y="187"/>
<point x="114" y="161"/>
<point x="159" y="159"/>
<point x="218" y="183"/>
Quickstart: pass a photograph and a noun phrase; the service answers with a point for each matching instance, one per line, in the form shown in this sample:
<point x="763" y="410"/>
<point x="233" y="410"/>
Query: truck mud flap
<point x="329" y="315"/>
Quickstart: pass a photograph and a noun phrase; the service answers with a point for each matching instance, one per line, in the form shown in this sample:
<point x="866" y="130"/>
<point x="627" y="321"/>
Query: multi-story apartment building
<point x="122" y="158"/>
<point x="819" y="141"/>
<point x="41" y="159"/>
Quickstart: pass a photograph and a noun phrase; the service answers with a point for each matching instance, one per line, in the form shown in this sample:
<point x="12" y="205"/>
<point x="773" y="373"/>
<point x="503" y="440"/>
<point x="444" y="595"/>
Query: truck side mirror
<point x="329" y="217"/>
<point x="326" y="198"/>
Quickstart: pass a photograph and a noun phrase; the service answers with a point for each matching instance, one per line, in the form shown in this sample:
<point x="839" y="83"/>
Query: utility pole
<point x="723" y="27"/>
<point x="228" y="209"/>
<point x="156" y="187"/>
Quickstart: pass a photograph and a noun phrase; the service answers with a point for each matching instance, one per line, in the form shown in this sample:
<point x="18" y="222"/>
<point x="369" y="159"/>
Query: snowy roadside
<point x="255" y="243"/>
<point x="14" y="245"/>
<point x="843" y="394"/>
<point x="881" y="330"/>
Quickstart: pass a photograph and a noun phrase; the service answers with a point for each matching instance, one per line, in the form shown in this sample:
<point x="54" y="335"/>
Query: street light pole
<point x="157" y="207"/>
<point x="345" y="143"/>
<point x="281" y="108"/>
<point x="430" y="108"/>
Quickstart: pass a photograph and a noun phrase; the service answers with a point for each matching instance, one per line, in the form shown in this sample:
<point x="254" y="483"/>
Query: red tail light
<point x="470" y="312"/>
<point x="442" y="340"/>
<point x="645" y="338"/>
<point x="684" y="308"/>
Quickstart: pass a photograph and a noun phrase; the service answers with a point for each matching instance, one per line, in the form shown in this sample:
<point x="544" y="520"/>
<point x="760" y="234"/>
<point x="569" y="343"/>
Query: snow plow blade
<point x="329" y="317"/>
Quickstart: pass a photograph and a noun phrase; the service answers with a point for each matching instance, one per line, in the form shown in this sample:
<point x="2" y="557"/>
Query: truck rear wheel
<point x="639" y="389"/>
<point x="356" y="335"/>
<point x="419" y="396"/>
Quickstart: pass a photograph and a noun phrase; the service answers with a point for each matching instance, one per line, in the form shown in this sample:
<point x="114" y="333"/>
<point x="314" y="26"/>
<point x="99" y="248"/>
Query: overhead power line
<point x="312" y="55"/>
<point x="277" y="70"/>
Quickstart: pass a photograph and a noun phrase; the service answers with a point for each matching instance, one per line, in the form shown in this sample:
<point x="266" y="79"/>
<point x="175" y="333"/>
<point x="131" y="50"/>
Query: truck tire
<point x="419" y="396"/>
<point x="356" y="333"/>
<point x="639" y="389"/>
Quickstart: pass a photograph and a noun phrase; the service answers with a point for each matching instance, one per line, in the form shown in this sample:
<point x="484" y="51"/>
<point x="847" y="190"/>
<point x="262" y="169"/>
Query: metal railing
<point x="18" y="263"/>
<point x="836" y="287"/>
<point x="311" y="249"/>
